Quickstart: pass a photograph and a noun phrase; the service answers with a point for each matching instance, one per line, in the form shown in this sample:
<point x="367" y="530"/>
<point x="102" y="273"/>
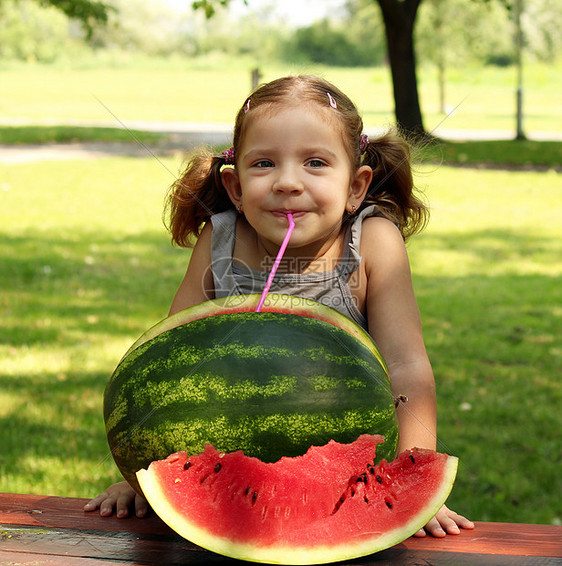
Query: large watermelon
<point x="331" y="504"/>
<point x="270" y="383"/>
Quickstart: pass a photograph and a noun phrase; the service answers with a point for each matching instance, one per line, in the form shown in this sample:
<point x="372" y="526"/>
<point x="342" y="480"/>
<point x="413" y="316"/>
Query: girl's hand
<point x="119" y="497"/>
<point x="446" y="522"/>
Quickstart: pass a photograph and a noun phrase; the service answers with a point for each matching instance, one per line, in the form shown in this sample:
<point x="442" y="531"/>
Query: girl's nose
<point x="288" y="182"/>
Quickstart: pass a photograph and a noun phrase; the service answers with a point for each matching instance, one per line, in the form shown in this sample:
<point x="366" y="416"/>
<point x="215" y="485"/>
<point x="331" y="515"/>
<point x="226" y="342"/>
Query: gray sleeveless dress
<point x="330" y="288"/>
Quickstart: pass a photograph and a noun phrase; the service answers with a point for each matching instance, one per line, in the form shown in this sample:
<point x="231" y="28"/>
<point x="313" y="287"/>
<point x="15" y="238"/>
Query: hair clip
<point x="363" y="143"/>
<point x="228" y="155"/>
<point x="247" y="106"/>
<point x="333" y="102"/>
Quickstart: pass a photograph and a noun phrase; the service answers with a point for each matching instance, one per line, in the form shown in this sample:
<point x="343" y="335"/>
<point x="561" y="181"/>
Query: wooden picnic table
<point x="55" y="531"/>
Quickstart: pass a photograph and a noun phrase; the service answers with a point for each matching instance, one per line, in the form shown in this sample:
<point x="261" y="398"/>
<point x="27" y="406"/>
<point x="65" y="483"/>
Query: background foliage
<point x="462" y="31"/>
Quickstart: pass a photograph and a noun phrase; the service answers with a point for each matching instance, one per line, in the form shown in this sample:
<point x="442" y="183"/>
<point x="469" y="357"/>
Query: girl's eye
<point x="316" y="163"/>
<point x="263" y="163"/>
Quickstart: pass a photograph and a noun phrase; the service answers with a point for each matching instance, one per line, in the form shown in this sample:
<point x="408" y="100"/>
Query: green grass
<point x="487" y="275"/>
<point x="16" y="135"/>
<point x="498" y="153"/>
<point x="86" y="266"/>
<point x="211" y="90"/>
<point x="121" y="91"/>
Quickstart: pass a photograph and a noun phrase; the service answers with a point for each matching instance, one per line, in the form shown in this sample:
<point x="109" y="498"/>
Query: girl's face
<point x="293" y="160"/>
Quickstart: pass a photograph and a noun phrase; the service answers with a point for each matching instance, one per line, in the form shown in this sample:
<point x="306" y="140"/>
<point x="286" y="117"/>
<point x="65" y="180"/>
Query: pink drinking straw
<point x="277" y="261"/>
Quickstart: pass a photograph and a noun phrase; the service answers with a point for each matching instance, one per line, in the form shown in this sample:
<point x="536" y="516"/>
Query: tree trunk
<point x="399" y="17"/>
<point x="441" y="71"/>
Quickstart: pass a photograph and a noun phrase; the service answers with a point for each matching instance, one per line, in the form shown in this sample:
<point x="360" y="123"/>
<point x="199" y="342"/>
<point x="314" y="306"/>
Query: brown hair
<point x="199" y="193"/>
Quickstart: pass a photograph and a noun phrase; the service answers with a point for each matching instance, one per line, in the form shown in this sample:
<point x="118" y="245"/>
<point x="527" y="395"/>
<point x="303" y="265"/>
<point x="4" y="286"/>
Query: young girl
<point x="299" y="150"/>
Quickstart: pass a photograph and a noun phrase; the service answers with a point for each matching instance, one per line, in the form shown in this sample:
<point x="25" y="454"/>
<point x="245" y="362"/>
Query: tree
<point x="209" y="5"/>
<point x="452" y="33"/>
<point x="30" y="32"/>
<point x="399" y="17"/>
<point x="330" y="44"/>
<point x="150" y="27"/>
<point x="88" y="12"/>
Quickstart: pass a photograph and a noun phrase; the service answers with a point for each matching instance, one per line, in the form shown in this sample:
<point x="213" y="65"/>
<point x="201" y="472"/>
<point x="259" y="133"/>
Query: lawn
<point x="197" y="90"/>
<point x="56" y="133"/>
<point x="487" y="274"/>
<point x="86" y="266"/>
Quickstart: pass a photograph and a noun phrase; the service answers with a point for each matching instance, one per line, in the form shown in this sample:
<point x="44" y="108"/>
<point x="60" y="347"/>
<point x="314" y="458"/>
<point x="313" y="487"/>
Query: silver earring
<point x="353" y="209"/>
<point x="239" y="208"/>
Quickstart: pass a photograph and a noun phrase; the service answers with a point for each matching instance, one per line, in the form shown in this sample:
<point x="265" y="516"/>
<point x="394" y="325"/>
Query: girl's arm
<point x="196" y="287"/>
<point x="395" y="325"/>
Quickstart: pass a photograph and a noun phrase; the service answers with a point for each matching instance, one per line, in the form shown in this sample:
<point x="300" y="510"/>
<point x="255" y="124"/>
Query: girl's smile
<point x="284" y="212"/>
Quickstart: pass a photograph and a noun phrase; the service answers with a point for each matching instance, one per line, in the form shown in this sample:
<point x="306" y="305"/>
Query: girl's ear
<point x="359" y="186"/>
<point x="231" y="183"/>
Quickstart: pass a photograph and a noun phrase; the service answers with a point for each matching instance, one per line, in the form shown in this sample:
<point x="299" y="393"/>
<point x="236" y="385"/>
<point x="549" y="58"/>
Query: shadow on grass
<point x="496" y="154"/>
<point x="493" y="344"/>
<point x="54" y="286"/>
<point x="60" y="290"/>
<point x="491" y="333"/>
<point x="54" y="434"/>
<point x="489" y="249"/>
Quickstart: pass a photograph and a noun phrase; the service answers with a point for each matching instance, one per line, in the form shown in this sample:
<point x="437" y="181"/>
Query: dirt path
<point x="176" y="141"/>
<point x="182" y="137"/>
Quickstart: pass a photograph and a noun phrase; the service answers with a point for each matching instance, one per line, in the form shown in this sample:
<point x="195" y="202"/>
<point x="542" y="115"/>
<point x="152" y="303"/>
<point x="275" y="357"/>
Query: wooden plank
<point x="31" y="559"/>
<point x="498" y="538"/>
<point x="68" y="512"/>
<point x="125" y="547"/>
<point x="50" y="527"/>
<point x="68" y="547"/>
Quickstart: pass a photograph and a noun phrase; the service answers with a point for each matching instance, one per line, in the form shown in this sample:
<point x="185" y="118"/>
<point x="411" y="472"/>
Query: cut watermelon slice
<point x="328" y="505"/>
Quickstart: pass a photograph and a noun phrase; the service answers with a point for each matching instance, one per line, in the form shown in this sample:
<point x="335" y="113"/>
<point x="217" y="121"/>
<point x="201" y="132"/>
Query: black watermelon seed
<point x="412" y="459"/>
<point x="218" y="467"/>
<point x="338" y="505"/>
<point x="365" y="500"/>
<point x="379" y="479"/>
<point x="388" y="504"/>
<point x="187" y="465"/>
<point x="247" y="490"/>
<point x="254" y="496"/>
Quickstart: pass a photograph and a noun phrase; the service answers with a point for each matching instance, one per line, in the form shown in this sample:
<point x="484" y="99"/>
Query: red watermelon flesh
<point x="328" y="505"/>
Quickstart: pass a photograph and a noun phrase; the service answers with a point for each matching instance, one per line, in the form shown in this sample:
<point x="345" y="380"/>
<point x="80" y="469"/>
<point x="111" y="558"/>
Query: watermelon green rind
<point x="328" y="537"/>
<point x="176" y="392"/>
<point x="273" y="303"/>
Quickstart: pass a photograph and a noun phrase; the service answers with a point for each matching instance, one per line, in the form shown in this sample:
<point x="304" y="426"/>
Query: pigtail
<point x="195" y="196"/>
<point x="392" y="188"/>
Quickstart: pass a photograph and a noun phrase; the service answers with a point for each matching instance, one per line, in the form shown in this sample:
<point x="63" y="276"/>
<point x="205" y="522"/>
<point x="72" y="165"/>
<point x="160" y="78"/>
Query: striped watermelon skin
<point x="270" y="384"/>
<point x="274" y="302"/>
